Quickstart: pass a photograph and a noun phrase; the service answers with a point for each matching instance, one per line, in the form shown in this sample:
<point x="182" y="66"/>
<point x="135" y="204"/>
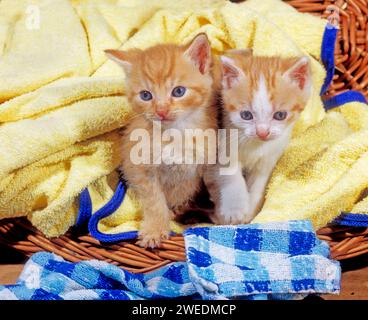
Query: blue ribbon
<point x="342" y="98"/>
<point x="328" y="60"/>
<point x="352" y="219"/>
<point x="85" y="209"/>
<point x="108" y="209"/>
<point x="328" y="55"/>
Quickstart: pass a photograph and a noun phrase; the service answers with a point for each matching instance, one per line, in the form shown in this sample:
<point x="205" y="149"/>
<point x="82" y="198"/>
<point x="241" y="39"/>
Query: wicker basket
<point x="345" y="242"/>
<point x="351" y="59"/>
<point x="351" y="51"/>
<point x="21" y="236"/>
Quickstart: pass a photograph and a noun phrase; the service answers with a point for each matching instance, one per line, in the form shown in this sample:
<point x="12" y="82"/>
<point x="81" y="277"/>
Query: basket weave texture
<point x="351" y="51"/>
<point x="351" y="59"/>
<point x="20" y="235"/>
<point x="345" y="242"/>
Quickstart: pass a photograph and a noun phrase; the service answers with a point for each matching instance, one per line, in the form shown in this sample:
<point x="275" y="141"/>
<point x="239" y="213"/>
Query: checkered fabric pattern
<point x="275" y="260"/>
<point x="257" y="261"/>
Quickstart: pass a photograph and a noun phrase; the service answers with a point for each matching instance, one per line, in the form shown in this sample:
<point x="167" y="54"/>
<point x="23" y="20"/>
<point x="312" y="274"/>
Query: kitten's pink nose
<point x="162" y="113"/>
<point x="263" y="133"/>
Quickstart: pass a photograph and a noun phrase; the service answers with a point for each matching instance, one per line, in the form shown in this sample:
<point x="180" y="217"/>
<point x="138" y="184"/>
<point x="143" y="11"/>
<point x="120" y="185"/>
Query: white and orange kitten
<point x="262" y="98"/>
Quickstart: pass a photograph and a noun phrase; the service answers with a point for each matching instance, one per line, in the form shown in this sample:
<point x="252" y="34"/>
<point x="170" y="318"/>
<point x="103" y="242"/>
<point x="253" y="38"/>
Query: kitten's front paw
<point x="248" y="217"/>
<point x="151" y="238"/>
<point x="233" y="209"/>
<point x="231" y="216"/>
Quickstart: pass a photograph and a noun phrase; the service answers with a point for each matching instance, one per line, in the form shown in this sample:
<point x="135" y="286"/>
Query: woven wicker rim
<point x="21" y="236"/>
<point x="345" y="242"/>
<point x="351" y="51"/>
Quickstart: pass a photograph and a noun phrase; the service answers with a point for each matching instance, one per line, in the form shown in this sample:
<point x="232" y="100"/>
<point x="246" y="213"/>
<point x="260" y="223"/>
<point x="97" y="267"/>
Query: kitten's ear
<point x="230" y="72"/>
<point x="199" y="52"/>
<point x="121" y="58"/>
<point x="300" y="74"/>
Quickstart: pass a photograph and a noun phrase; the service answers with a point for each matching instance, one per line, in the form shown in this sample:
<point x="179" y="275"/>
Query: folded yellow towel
<point x="40" y="41"/>
<point x="49" y="152"/>
<point x="63" y="103"/>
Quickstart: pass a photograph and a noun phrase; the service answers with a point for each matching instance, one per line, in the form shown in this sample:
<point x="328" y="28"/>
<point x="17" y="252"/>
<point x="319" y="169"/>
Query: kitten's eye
<point x="145" y="95"/>
<point x="178" y="91"/>
<point x="246" y="115"/>
<point x="280" y="115"/>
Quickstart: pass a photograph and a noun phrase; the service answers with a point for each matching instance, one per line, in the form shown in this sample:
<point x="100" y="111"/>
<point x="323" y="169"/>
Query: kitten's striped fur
<point x="165" y="189"/>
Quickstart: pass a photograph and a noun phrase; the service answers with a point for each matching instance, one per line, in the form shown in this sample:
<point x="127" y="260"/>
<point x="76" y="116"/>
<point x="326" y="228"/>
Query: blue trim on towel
<point x="85" y="209"/>
<point x="104" y="212"/>
<point x="352" y="219"/>
<point x="328" y="55"/>
<point x="328" y="60"/>
<point x="342" y="98"/>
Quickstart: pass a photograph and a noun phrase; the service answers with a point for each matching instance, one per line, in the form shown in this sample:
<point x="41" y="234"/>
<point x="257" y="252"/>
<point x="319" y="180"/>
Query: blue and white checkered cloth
<point x="257" y="261"/>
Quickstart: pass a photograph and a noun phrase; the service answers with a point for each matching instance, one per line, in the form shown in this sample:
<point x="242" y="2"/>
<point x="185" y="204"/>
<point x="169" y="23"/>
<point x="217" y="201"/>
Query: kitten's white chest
<point x="252" y="153"/>
<point x="255" y="155"/>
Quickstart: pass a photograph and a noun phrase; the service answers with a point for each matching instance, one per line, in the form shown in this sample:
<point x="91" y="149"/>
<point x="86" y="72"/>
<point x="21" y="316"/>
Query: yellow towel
<point x="63" y="103"/>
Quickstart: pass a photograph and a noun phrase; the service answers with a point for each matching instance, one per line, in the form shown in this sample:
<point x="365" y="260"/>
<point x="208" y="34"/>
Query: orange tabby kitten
<point x="263" y="97"/>
<point x="173" y="86"/>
